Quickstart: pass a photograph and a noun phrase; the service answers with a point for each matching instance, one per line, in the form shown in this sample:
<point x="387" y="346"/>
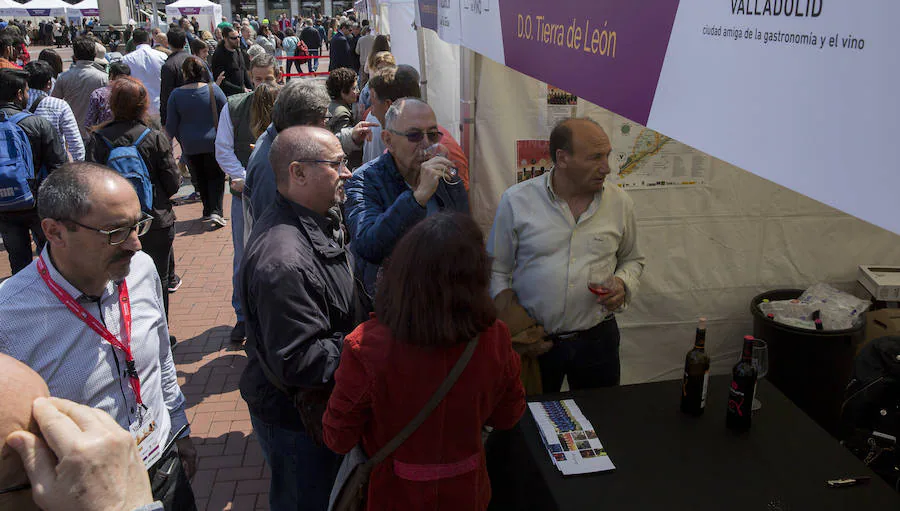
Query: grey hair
<point x="263" y="60"/>
<point x="396" y="110"/>
<point x="300" y="103"/>
<point x="66" y="193"/>
<point x="255" y="50"/>
<point x="289" y="147"/>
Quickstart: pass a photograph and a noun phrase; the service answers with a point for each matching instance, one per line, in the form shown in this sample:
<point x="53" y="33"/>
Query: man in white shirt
<point x="562" y="238"/>
<point x="87" y="315"/>
<point x="146" y="65"/>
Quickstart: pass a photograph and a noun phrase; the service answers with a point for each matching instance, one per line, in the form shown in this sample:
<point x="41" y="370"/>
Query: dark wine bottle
<point x="743" y="384"/>
<point x="696" y="374"/>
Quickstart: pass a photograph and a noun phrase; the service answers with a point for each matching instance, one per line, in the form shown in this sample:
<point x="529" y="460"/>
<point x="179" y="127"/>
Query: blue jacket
<point x="380" y="209"/>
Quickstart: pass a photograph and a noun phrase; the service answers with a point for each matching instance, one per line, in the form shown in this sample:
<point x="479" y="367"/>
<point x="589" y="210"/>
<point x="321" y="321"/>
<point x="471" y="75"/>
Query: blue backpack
<point x="16" y="165"/>
<point x="127" y="161"/>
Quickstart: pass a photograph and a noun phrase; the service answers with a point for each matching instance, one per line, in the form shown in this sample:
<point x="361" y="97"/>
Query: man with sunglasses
<point x="390" y="194"/>
<point x="87" y="315"/>
<point x="233" y="60"/>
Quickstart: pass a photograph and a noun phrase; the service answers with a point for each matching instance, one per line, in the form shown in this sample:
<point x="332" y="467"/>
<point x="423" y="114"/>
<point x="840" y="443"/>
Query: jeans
<point x="287" y="68"/>
<point x="302" y="472"/>
<point x="157" y="244"/>
<point x="17" y="228"/>
<point x="237" y="240"/>
<point x="313" y="64"/>
<point x="589" y="362"/>
<point x="210" y="182"/>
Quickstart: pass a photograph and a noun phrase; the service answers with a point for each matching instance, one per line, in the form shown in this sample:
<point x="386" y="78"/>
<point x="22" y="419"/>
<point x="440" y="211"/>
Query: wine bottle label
<point x="739" y="403"/>
<point x="705" y="387"/>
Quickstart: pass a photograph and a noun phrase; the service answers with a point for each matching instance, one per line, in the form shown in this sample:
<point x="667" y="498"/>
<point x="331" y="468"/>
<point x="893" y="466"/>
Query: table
<point x="667" y="460"/>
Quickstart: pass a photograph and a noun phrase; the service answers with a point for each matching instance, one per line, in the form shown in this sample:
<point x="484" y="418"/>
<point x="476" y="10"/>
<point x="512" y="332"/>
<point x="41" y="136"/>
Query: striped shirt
<point x="76" y="362"/>
<point x="60" y="115"/>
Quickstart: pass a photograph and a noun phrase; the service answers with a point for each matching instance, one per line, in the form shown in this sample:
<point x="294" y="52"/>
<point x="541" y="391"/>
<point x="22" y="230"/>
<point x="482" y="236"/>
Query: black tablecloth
<point x="667" y="460"/>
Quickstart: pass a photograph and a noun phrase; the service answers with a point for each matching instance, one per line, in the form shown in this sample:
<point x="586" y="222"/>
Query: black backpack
<point x="871" y="410"/>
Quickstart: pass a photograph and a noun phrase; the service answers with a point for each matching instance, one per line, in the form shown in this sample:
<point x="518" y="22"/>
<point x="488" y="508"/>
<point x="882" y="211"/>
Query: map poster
<point x="643" y="158"/>
<point x="533" y="157"/>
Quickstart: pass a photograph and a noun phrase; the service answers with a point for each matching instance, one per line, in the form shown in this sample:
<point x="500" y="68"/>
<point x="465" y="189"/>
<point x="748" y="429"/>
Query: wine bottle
<point x="696" y="374"/>
<point x="743" y="384"/>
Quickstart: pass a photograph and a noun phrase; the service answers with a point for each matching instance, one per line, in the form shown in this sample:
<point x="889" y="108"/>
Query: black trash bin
<point x="811" y="367"/>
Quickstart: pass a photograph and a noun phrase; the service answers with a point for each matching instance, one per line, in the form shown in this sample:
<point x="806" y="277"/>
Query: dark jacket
<point x="340" y="52"/>
<point x="47" y="149"/>
<point x="311" y="37"/>
<point x="156" y="151"/>
<point x="354" y="57"/>
<point x="170" y="78"/>
<point x="381" y="208"/>
<point x="236" y="65"/>
<point x="297" y="297"/>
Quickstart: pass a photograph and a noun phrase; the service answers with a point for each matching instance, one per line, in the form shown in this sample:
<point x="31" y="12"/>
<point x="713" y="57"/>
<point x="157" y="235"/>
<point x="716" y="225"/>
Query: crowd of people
<point x="359" y="277"/>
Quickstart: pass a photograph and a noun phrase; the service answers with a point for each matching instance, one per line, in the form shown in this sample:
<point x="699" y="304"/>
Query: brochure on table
<point x="570" y="438"/>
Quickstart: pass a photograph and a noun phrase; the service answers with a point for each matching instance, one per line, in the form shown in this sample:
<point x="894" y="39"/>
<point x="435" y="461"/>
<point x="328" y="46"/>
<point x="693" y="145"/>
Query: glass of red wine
<point x="601" y="282"/>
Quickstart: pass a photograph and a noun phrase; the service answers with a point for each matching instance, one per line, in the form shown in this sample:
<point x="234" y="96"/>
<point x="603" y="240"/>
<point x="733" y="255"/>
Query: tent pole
<point x="155" y="19"/>
<point x="423" y="72"/>
<point x="467" y="104"/>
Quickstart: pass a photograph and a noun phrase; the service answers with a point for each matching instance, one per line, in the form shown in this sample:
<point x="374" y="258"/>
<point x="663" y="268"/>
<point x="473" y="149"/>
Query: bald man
<point x="297" y="293"/>
<point x="87" y="315"/>
<point x="562" y="238"/>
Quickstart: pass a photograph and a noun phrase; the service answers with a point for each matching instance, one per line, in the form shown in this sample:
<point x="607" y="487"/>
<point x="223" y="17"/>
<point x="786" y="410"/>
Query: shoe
<point x="174" y="283"/>
<point x="172" y="342"/>
<point x="205" y="218"/>
<point x="218" y="220"/>
<point x="239" y="332"/>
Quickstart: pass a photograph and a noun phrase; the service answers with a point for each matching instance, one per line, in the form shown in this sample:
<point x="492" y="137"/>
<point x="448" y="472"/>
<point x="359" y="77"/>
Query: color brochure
<point x="569" y="437"/>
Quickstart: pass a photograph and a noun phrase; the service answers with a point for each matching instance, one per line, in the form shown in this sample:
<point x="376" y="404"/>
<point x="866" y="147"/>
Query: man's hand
<point x="430" y="175"/>
<point x="615" y="298"/>
<point x="188" y="456"/>
<point x="237" y="185"/>
<point x="362" y="132"/>
<point x="220" y="78"/>
<point x="88" y="462"/>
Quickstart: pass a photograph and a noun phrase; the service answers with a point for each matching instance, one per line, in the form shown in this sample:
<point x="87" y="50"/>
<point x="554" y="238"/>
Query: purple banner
<point x="428" y="13"/>
<point x="90" y="12"/>
<point x="39" y="12"/>
<point x="188" y="10"/>
<point x="609" y="52"/>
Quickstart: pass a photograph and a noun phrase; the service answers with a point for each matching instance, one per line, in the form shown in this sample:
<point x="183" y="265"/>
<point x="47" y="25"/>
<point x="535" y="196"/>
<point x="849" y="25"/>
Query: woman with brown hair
<point x="261" y="108"/>
<point x="192" y="117"/>
<point x="128" y="102"/>
<point x="432" y="300"/>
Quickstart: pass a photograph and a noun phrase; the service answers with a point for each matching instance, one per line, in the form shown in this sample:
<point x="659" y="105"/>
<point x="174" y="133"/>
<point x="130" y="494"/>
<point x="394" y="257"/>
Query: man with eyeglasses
<point x="390" y="194"/>
<point x="297" y="294"/>
<point x="87" y="315"/>
<point x="231" y="59"/>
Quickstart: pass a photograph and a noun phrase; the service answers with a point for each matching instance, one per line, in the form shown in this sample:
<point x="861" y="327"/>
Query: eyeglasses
<point x="416" y="136"/>
<point x="13" y="489"/>
<point x="118" y="236"/>
<point x="335" y="164"/>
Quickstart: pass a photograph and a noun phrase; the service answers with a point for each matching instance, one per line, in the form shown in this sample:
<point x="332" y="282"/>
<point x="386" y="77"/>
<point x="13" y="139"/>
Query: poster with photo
<point x="533" y="159"/>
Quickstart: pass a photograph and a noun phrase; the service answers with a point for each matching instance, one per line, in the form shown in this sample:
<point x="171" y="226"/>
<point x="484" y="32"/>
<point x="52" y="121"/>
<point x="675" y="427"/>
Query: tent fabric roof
<point x="86" y="4"/>
<point x="188" y="3"/>
<point x="45" y="4"/>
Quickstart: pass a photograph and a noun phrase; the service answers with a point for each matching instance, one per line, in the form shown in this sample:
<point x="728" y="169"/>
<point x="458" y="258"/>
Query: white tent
<point x="11" y="9"/>
<point x="83" y="9"/>
<point x="45" y="8"/>
<point x="208" y="14"/>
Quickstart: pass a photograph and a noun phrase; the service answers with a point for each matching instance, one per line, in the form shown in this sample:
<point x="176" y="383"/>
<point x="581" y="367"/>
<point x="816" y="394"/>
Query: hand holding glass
<point x="601" y="282"/>
<point x="451" y="174"/>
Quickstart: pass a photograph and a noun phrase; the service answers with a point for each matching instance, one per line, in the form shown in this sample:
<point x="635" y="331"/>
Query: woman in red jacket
<point x="433" y="298"/>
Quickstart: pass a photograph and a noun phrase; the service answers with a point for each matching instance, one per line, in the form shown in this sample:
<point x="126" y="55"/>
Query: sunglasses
<point x="416" y="136"/>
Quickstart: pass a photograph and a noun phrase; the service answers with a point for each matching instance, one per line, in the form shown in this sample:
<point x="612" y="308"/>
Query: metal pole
<point x="155" y="17"/>
<point x="467" y="105"/>
<point x="423" y="72"/>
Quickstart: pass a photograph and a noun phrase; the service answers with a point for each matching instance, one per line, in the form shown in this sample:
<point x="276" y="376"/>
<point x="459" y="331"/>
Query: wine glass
<point x="451" y="175"/>
<point x="760" y="360"/>
<point x="601" y="281"/>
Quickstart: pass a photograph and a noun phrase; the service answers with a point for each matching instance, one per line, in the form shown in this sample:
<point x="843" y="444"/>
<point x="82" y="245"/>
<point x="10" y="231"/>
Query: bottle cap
<point x="702" y="324"/>
<point x="749" y="338"/>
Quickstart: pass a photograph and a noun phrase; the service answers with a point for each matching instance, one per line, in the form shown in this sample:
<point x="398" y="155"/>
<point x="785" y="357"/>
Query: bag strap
<point x="34" y="106"/>
<point x="429" y="407"/>
<point x="141" y="138"/>
<point x="212" y="105"/>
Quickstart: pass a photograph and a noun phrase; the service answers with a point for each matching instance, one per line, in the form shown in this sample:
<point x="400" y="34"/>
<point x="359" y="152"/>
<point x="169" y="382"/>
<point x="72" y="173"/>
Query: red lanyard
<point x="97" y="326"/>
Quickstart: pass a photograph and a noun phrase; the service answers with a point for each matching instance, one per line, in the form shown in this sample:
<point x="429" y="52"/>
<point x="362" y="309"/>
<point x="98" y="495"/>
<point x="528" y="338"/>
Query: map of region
<point x="643" y="158"/>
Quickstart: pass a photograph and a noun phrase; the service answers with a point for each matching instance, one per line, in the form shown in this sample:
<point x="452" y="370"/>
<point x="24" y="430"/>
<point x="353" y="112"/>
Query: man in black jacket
<point x="340" y="49"/>
<point x="47" y="155"/>
<point x="234" y="62"/>
<point x="297" y="294"/>
<point x="170" y="75"/>
<point x="313" y="40"/>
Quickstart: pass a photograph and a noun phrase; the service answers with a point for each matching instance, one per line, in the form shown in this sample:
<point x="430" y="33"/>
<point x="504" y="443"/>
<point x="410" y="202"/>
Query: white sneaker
<point x="218" y="220"/>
